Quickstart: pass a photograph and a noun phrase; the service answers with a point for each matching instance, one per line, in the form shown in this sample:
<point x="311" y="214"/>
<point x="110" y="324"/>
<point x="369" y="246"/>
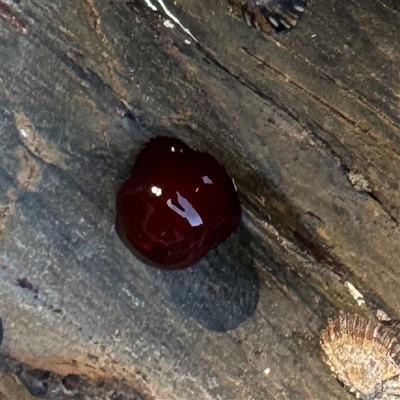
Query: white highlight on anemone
<point x="156" y="190"/>
<point x="207" y="180"/>
<point x="188" y="211"/>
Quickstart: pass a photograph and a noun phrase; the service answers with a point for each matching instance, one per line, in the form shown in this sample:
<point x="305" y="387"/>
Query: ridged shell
<point x="266" y="15"/>
<point x="364" y="355"/>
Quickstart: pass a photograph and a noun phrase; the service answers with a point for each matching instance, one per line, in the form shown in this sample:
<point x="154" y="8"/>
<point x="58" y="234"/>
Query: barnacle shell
<point x="266" y="15"/>
<point x="364" y="355"/>
<point x="390" y="389"/>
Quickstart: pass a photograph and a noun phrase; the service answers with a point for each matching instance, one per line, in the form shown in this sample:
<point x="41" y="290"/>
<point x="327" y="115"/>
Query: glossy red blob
<point x="177" y="204"/>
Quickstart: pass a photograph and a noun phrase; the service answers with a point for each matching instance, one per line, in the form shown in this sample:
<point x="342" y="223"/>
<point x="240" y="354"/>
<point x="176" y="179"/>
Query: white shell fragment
<point x="355" y="293"/>
<point x="364" y="356"/>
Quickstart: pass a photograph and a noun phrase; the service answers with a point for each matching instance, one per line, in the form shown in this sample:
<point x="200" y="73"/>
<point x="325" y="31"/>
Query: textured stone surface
<point x="305" y="122"/>
<point x="20" y="382"/>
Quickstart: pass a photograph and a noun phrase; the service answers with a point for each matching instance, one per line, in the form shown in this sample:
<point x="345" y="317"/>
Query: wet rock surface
<point x="305" y="121"/>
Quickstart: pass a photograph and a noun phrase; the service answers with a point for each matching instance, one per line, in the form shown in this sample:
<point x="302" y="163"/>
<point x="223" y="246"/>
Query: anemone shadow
<point x="221" y="290"/>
